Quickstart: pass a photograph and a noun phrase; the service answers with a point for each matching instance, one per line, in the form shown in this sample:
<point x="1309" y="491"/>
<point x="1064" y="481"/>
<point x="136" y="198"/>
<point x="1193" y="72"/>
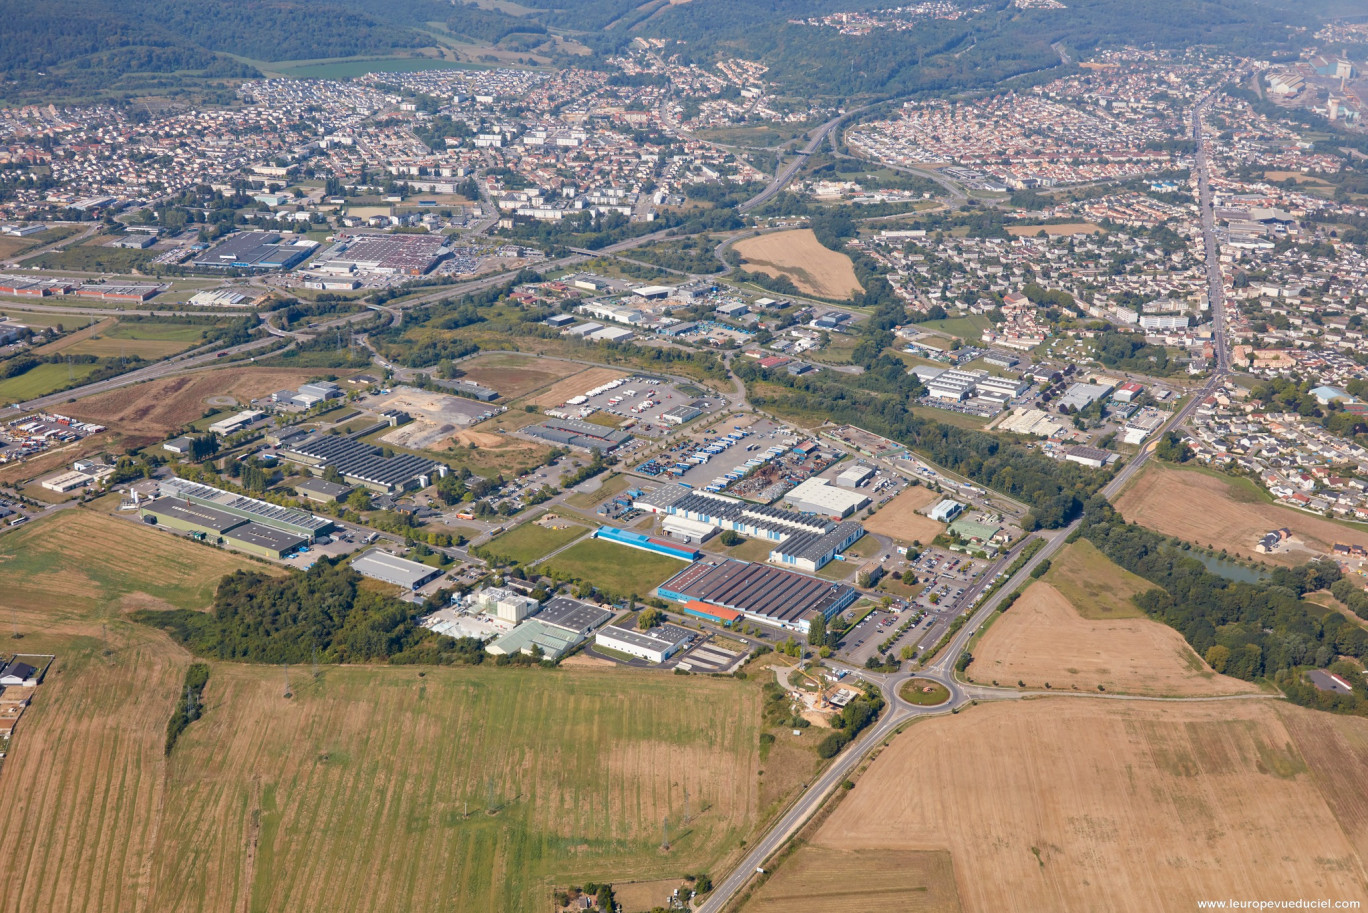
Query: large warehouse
<point x="566" y="432"/>
<point x="381" y="565"/>
<point x="769" y="595"/>
<point x="364" y="464"/>
<point x="408" y="255"/>
<point x="817" y="496"/>
<point x="654" y="645"/>
<point x="255" y="250"/>
<point x="800" y="539"/>
<point x="221" y="528"/>
<point x="298" y="522"/>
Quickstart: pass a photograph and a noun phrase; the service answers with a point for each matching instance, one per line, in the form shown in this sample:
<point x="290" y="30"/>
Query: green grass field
<point x="371" y="788"/>
<point x="913" y="692"/>
<point x="96" y="259"/>
<point x="150" y="340"/>
<point x="617" y="569"/>
<point x="964" y="327"/>
<point x="753" y="549"/>
<point x="1095" y="586"/>
<point x="41" y="381"/>
<point x="530" y="542"/>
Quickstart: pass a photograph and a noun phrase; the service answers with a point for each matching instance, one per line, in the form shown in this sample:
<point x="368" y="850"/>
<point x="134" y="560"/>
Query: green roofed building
<point x="974" y="531"/>
<point x="555" y="642"/>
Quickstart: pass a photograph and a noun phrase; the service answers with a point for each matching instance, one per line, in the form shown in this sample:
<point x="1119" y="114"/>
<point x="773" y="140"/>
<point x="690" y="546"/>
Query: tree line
<point x="322" y="614"/>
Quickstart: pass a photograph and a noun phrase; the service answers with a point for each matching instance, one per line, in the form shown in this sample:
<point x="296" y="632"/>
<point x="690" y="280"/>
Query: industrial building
<point x="533" y="636"/>
<point x="812" y="551"/>
<point x="687" y="531"/>
<point x="296" y="522"/>
<point x="235" y="423"/>
<point x="363" y="464"/>
<point x="775" y="524"/>
<point x="1088" y="456"/>
<point x="381" y="565"/>
<point x="573" y="615"/>
<point x="308" y="395"/>
<point x="561" y="626"/>
<point x="1080" y="396"/>
<point x="646" y="543"/>
<point x="946" y="511"/>
<point x="855" y="476"/>
<point x="817" y="496"/>
<point x="67" y="481"/>
<point x="321" y="490"/>
<point x="213" y="524"/>
<point x="768" y="595"/>
<point x="255" y="250"/>
<point x="385" y="255"/>
<point x="584" y="436"/>
<point x="506" y="605"/>
<point x="654" y="645"/>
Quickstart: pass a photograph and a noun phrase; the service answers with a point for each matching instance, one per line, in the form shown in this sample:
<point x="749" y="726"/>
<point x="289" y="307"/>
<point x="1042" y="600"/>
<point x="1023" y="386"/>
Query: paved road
<point x="898" y="711"/>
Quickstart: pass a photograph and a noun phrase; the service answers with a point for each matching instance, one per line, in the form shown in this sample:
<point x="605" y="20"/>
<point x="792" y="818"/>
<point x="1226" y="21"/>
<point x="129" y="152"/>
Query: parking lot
<point x="641" y="403"/>
<point x="702" y="460"/>
<point x="339" y="543"/>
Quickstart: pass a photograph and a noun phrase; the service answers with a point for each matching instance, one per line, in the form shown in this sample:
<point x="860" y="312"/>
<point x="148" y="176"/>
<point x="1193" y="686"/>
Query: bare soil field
<point x="798" y="255"/>
<point x="839" y="880"/>
<point x="1042" y="640"/>
<point x="586" y="380"/>
<point x="1210" y="511"/>
<point x="517" y="375"/>
<point x="160" y="407"/>
<point x="436" y="417"/>
<point x="1061" y="230"/>
<point x="900" y="519"/>
<point x="1161" y="805"/>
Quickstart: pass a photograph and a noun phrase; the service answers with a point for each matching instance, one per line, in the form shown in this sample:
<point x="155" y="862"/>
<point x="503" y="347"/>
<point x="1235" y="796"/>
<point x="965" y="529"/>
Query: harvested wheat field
<point x="900" y="519"/>
<point x="839" y="880"/>
<point x="161" y="407"/>
<point x="67" y="572"/>
<point x="517" y="375"/>
<point x="1212" y="511"/>
<point x="1043" y="640"/>
<point x="814" y="269"/>
<point x="372" y="788"/>
<point x="582" y="382"/>
<point x="1094" y="585"/>
<point x="1155" y="807"/>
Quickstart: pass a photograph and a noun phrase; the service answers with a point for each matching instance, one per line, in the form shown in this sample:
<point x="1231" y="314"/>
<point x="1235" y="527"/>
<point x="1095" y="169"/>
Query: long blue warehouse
<point x="647" y="543"/>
